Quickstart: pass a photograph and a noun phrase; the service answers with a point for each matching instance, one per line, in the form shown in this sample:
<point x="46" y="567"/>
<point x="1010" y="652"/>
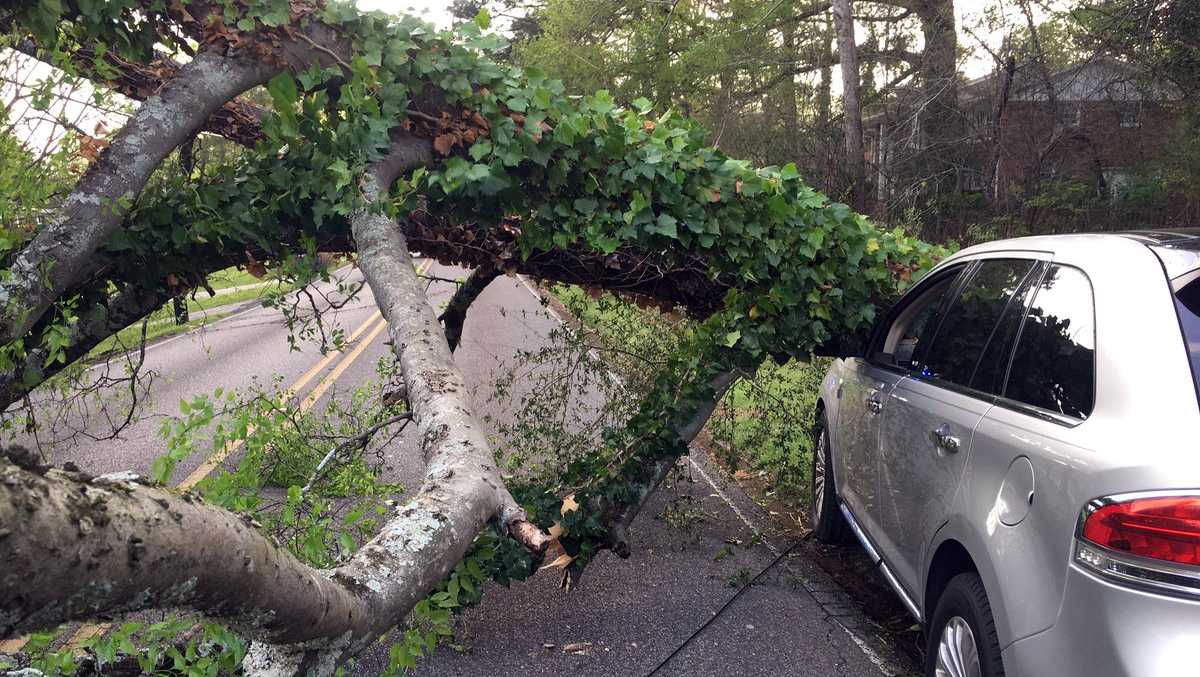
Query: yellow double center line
<point x="373" y="326"/>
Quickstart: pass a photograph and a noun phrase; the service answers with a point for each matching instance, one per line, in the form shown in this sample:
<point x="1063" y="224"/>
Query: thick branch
<point x="680" y="278"/>
<point x="61" y="254"/>
<point x="76" y="547"/>
<point x="462" y="490"/>
<point x="238" y="120"/>
<point x="455" y="313"/>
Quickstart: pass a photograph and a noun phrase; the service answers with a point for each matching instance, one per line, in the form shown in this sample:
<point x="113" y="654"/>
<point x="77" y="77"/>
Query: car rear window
<point x="1053" y="367"/>
<point x="1187" y="302"/>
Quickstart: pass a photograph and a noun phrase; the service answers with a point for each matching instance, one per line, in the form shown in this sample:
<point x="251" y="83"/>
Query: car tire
<point x="962" y="634"/>
<point x="828" y="523"/>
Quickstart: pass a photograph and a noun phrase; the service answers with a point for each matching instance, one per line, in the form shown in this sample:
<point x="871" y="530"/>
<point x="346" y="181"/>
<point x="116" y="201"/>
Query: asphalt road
<point x="628" y="616"/>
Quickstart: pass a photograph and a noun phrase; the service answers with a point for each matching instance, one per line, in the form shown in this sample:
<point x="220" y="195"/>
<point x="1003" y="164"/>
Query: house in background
<point x="1092" y="125"/>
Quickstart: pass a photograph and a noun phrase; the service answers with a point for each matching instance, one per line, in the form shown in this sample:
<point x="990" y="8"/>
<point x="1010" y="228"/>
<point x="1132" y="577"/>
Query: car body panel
<point x="917" y="478"/>
<point x="1140" y="436"/>
<point x="1110" y="630"/>
<point x="858" y="429"/>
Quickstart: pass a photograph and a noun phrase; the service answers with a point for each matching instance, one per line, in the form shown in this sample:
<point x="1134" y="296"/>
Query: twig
<point x="358" y="441"/>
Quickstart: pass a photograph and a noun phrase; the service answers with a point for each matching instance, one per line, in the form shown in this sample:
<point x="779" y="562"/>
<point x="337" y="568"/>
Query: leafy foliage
<point x="514" y="153"/>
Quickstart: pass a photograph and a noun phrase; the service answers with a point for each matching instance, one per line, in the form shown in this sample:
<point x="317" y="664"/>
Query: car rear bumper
<point x="1110" y="630"/>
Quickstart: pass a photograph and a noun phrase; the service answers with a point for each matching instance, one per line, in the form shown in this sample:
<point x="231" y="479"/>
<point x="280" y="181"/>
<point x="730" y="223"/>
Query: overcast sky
<point x="39" y="129"/>
<point x="968" y="11"/>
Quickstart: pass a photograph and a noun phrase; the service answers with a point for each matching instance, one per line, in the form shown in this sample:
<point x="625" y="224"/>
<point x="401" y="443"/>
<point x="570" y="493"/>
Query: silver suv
<point x="1018" y="449"/>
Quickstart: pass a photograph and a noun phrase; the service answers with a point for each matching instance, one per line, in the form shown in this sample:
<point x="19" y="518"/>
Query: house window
<point x="1070" y="114"/>
<point x="1130" y="116"/>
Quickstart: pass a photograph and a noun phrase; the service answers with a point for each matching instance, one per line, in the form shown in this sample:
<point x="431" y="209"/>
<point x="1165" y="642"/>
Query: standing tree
<point x="856" y="168"/>
<point x="384" y="136"/>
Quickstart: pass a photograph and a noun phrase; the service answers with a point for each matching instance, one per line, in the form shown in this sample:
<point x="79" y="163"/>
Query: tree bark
<point x="941" y="126"/>
<point x="455" y="314"/>
<point x="60" y="255"/>
<point x="462" y="488"/>
<point x="790" y="101"/>
<point x="119" y="546"/>
<point x="856" y="169"/>
<point x="77" y="546"/>
<point x="992" y="179"/>
<point x="238" y="120"/>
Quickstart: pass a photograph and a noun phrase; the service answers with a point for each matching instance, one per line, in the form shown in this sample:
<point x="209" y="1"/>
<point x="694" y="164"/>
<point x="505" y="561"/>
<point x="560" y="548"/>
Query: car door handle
<point x="942" y="437"/>
<point x="874" y="404"/>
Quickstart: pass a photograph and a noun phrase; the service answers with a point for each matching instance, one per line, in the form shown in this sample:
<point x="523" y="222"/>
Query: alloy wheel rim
<point x="957" y="653"/>
<point x="818" y="480"/>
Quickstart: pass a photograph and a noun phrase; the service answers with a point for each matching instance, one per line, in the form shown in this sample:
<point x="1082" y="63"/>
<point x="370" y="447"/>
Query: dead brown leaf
<point x="561" y="562"/>
<point x="569" y="504"/>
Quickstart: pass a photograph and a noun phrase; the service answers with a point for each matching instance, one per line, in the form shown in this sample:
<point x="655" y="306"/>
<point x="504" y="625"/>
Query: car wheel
<point x="828" y="524"/>
<point x="962" y="634"/>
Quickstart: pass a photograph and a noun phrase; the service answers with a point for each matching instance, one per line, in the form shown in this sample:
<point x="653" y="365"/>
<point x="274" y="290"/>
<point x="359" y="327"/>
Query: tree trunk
<point x="993" y="178"/>
<point x="856" y="170"/>
<point x="112" y="545"/>
<point x="61" y="255"/>
<point x="790" y="101"/>
<point x="940" y="124"/>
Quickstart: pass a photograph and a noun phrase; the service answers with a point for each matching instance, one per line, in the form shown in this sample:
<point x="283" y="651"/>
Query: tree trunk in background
<point x="828" y="178"/>
<point x="992" y="182"/>
<point x="824" y="95"/>
<point x="941" y="126"/>
<point x="851" y="107"/>
<point x="790" y="100"/>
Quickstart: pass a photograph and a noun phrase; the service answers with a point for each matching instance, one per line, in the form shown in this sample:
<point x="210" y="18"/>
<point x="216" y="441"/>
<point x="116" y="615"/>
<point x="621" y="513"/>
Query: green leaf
<point x="480" y="149"/>
<point x="586" y="206"/>
<point x="483" y="19"/>
<point x="642" y="105"/>
<point x="665" y="224"/>
<point x="283" y="90"/>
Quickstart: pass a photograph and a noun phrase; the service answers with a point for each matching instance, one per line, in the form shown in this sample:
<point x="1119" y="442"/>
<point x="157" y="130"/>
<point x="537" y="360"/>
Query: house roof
<point x="1095" y="79"/>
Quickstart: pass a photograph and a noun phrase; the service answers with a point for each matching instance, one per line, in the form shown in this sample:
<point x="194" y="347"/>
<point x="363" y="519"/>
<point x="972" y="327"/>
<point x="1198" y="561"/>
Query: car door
<point x="862" y="396"/>
<point x="931" y="414"/>
<point x="869" y="380"/>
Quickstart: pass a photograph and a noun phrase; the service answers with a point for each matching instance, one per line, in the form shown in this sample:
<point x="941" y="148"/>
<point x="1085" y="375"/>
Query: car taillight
<point x="1149" y="540"/>
<point x="1166" y="528"/>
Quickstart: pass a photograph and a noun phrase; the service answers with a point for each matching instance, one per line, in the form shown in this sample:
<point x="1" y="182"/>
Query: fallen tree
<point x="385" y="137"/>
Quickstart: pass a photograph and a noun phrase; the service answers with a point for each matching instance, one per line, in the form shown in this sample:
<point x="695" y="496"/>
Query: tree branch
<point x="462" y="489"/>
<point x="455" y="314"/>
<point x="129" y="546"/>
<point x="60" y="255"/>
<point x="238" y="120"/>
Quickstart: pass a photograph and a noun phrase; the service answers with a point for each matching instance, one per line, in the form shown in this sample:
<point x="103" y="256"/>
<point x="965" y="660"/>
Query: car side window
<point x="912" y="322"/>
<point x="973" y="321"/>
<point x="993" y="364"/>
<point x="1053" y="367"/>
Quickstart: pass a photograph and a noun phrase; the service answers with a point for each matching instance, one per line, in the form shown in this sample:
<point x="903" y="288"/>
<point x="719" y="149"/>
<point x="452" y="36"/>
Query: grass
<point x="204" y="302"/>
<point x="232" y="277"/>
<point x="160" y="324"/>
<point x="766" y="424"/>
